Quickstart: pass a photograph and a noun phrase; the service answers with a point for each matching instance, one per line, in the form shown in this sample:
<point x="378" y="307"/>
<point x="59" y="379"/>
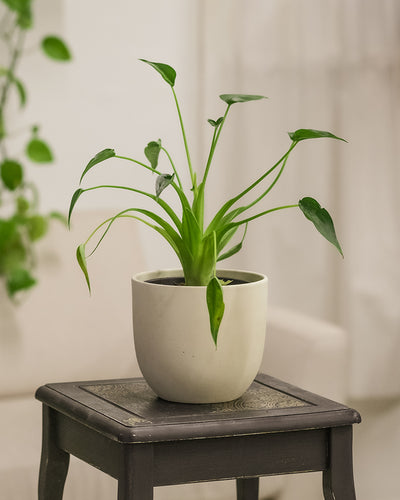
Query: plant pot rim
<point x="250" y="277"/>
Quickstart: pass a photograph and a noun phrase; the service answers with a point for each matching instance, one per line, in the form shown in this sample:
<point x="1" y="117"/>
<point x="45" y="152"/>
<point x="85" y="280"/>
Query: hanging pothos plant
<point x="21" y="222"/>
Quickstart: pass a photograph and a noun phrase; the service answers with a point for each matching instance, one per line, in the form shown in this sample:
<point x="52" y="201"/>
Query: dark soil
<point x="180" y="281"/>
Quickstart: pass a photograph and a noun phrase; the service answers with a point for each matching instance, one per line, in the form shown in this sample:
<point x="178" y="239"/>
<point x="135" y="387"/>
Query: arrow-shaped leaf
<point x="233" y="98"/>
<point x="101" y="156"/>
<point x="306" y="133"/>
<point x="162" y="181"/>
<point x="235" y="249"/>
<point x="216" y="306"/>
<point x="321" y="220"/>
<point x="215" y="123"/>
<point x="152" y="152"/>
<point x="74" y="199"/>
<point x="166" y="71"/>
<point x="80" y="255"/>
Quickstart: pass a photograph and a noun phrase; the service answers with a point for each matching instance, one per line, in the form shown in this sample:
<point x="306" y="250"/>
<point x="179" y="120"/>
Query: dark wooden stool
<point x="123" y="429"/>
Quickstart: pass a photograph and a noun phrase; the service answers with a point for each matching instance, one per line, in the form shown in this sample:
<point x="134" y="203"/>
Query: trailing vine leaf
<point x="166" y="71"/>
<point x="305" y="133"/>
<point x="37" y="227"/>
<point x="23" y="10"/>
<point x="216" y="306"/>
<point x="152" y="152"/>
<point x="321" y="219"/>
<point x="38" y="151"/>
<point x="55" y="48"/>
<point x="105" y="154"/>
<point x="19" y="279"/>
<point x="162" y="182"/>
<point x="81" y="258"/>
<point x="234" y="98"/>
<point x="11" y="173"/>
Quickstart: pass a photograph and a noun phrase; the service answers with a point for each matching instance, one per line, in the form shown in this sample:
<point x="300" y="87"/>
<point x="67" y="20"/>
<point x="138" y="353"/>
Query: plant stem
<point x="160" y="201"/>
<point x="262" y="195"/>
<point x="220" y="214"/>
<point x="173" y="167"/>
<point x="16" y="52"/>
<point x="249" y="219"/>
<point x="214" y="145"/>
<point x="138" y="163"/>
<point x="192" y="175"/>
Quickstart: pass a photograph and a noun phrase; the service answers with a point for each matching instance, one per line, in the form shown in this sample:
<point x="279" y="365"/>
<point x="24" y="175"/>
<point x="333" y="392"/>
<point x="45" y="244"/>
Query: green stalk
<point x="179" y="190"/>
<point x="160" y="201"/>
<point x="138" y="163"/>
<point x="249" y="219"/>
<point x="262" y="195"/>
<point x="192" y="175"/>
<point x="198" y="202"/>
<point x="214" y="145"/>
<point x="15" y="55"/>
<point x="220" y="214"/>
<point x="173" y="167"/>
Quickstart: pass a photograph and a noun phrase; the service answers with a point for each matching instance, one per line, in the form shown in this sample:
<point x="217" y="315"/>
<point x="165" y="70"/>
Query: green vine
<point x="21" y="222"/>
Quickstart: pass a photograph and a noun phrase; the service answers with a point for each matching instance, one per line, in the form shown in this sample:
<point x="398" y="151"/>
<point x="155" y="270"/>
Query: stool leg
<point x="247" y="488"/>
<point x="54" y="462"/>
<point x="338" y="481"/>
<point x="136" y="479"/>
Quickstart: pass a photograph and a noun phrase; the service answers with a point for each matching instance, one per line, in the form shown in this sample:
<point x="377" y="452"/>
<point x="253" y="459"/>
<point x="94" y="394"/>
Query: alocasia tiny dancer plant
<point x="199" y="245"/>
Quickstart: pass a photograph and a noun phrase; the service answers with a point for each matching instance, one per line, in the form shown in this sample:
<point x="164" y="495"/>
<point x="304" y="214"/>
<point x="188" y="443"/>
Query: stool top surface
<point x="127" y="410"/>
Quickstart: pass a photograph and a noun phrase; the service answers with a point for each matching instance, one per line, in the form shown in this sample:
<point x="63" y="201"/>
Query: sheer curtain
<point x="332" y="65"/>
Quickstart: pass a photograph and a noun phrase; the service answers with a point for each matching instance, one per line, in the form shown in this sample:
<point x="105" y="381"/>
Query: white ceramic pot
<point x="174" y="347"/>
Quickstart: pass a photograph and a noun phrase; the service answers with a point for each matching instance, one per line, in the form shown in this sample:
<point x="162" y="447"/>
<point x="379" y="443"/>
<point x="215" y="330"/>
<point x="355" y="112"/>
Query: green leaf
<point x="216" y="306"/>
<point x="11" y="174"/>
<point x="190" y="230"/>
<point x="216" y="123"/>
<point x="152" y="152"/>
<point x="235" y="249"/>
<point x="80" y="255"/>
<point x="167" y="72"/>
<point x="37" y="227"/>
<point x="162" y="182"/>
<point x="23" y="10"/>
<point x="234" y="98"/>
<point x="55" y="48"/>
<point x="74" y="199"/>
<point x="38" y="151"/>
<point x="19" y="279"/>
<point x="7" y="232"/>
<point x="321" y="220"/>
<point x="305" y="133"/>
<point x="101" y="156"/>
<point x="22" y="205"/>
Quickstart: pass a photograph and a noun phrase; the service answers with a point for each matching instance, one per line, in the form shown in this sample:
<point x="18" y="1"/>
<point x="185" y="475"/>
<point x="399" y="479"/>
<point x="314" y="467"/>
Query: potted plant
<point x="199" y="331"/>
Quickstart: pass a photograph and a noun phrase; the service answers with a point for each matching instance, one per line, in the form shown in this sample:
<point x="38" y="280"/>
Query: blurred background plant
<point x="21" y="222"/>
